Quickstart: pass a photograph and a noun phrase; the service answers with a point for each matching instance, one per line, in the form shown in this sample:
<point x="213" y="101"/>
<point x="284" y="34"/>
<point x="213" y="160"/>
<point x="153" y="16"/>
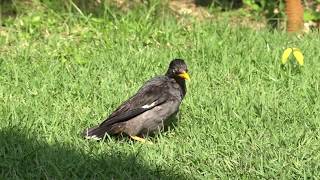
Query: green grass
<point x="244" y="115"/>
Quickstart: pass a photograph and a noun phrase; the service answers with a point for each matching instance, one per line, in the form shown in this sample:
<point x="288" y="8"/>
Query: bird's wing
<point x="153" y="93"/>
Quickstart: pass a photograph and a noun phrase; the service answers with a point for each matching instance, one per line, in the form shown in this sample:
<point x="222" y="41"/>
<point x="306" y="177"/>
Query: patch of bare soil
<point x="189" y="7"/>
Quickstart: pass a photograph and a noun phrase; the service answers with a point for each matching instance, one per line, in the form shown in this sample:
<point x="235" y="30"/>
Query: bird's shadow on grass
<point x="24" y="157"/>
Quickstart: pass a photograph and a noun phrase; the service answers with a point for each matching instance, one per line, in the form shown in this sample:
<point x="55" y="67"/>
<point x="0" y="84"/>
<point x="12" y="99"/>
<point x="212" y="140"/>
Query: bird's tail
<point x="99" y="132"/>
<point x="94" y="133"/>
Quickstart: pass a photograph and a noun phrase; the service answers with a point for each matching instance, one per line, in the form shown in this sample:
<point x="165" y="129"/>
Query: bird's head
<point x="178" y="69"/>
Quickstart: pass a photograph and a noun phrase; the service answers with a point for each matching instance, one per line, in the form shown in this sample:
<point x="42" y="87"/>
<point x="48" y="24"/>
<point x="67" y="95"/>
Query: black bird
<point x="150" y="109"/>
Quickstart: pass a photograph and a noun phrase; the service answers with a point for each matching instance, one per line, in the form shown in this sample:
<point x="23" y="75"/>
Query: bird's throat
<point x="182" y="84"/>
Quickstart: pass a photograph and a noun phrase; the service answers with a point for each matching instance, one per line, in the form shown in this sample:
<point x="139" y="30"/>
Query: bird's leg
<point x="140" y="139"/>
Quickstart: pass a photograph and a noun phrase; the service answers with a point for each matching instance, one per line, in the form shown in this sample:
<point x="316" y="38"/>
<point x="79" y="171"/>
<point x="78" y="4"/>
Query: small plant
<point x="296" y="53"/>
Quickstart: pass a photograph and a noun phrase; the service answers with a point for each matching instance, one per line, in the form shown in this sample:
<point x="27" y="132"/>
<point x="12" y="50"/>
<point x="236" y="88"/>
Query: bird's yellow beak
<point x="184" y="75"/>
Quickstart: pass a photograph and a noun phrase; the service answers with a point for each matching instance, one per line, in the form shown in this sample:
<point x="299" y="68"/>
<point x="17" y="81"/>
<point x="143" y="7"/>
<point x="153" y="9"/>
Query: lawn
<point x="244" y="116"/>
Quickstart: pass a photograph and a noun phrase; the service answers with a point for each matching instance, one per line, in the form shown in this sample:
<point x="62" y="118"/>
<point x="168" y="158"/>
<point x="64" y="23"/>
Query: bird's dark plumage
<point x="149" y="109"/>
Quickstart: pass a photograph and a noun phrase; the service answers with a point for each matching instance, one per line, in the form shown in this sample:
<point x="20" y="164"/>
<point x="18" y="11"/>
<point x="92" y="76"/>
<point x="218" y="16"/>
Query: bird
<point x="149" y="110"/>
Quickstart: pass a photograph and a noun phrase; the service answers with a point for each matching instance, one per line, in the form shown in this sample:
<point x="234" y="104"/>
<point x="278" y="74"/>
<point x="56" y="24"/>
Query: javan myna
<point x="150" y="109"/>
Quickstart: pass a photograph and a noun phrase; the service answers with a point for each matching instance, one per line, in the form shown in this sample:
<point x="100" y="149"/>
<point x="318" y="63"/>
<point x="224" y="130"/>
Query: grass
<point x="244" y="115"/>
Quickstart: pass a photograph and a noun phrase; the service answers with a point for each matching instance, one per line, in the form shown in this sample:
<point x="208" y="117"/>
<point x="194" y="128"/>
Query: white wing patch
<point x="148" y="105"/>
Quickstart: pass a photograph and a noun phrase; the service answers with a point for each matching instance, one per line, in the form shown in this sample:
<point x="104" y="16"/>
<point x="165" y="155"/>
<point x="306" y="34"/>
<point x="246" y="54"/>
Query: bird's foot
<point x="141" y="140"/>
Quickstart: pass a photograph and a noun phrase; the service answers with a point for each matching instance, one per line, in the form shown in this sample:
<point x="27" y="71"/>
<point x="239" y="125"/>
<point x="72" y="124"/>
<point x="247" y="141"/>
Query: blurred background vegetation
<point x="271" y="12"/>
